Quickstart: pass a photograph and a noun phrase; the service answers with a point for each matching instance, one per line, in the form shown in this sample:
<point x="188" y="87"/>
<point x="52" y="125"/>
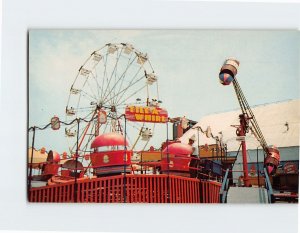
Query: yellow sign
<point x="146" y="114"/>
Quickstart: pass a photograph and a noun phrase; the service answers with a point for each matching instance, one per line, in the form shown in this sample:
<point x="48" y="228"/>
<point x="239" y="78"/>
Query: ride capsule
<point x="228" y="71"/>
<point x="271" y="162"/>
<point x="176" y="159"/>
<point x="108" y="156"/>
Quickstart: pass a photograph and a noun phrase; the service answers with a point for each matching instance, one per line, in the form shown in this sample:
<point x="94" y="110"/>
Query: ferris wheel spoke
<point x="125" y="89"/>
<point x="122" y="129"/>
<point x="133" y="94"/>
<point x="150" y="65"/>
<point x="86" y="116"/>
<point x="94" y="95"/>
<point x="116" y="72"/>
<point x="135" y="126"/>
<point x="87" y="109"/>
<point x="75" y="145"/>
<point x="123" y="79"/>
<point x="138" y="136"/>
<point x="104" y="73"/>
<point x="124" y="105"/>
<point x="157" y="91"/>
<point x="123" y="75"/>
<point x="131" y="81"/>
<point x="76" y="78"/>
<point x="112" y="74"/>
<point x="118" y="117"/>
<point x="91" y="98"/>
<point x="83" y="111"/>
<point x="74" y="126"/>
<point x="105" y="128"/>
<point x="146" y="144"/>
<point x="129" y="139"/>
<point x="98" y="86"/>
<point x="81" y="95"/>
<point x="85" y="148"/>
<point x="83" y="133"/>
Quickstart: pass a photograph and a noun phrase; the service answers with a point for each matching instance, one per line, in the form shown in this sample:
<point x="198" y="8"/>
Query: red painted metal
<point x="179" y="158"/>
<point x="56" y="157"/>
<point x="109" y="139"/>
<point x="242" y="132"/>
<point x="51" y="169"/>
<point x="85" y="131"/>
<point x="139" y="189"/>
<point x="71" y="165"/>
<point x="178" y="149"/>
<point x="245" y="164"/>
<point x="110" y="158"/>
<point x="272" y="160"/>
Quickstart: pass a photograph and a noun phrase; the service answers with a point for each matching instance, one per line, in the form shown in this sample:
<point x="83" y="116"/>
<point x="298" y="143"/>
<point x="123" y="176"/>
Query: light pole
<point x="76" y="161"/>
<point x="257" y="167"/>
<point x="30" y="166"/>
<point x="125" y="158"/>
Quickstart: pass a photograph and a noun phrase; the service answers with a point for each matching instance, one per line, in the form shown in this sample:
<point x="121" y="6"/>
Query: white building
<point x="279" y="123"/>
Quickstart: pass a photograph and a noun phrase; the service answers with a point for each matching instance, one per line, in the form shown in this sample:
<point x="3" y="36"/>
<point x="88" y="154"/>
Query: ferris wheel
<point x="112" y="78"/>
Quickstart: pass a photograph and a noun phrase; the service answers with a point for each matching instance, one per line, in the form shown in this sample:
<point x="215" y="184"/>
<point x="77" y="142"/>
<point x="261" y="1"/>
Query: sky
<point x="186" y="62"/>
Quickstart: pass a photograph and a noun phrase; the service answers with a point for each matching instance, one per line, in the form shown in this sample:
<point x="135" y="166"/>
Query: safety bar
<point x="224" y="187"/>
<point x="269" y="188"/>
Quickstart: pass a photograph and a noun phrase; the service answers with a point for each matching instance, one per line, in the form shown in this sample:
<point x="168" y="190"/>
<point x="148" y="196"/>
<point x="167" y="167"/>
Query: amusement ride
<point x="112" y="113"/>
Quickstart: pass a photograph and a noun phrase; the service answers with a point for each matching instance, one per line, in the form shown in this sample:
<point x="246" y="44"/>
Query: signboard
<point x="146" y="114"/>
<point x="290" y="168"/>
<point x="212" y="150"/>
<point x="252" y="170"/>
<point x="55" y="124"/>
<point x="102" y="117"/>
<point x="149" y="156"/>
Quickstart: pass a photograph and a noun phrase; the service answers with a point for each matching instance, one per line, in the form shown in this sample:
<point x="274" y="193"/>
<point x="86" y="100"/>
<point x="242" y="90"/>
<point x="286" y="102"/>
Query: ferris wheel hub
<point x="113" y="108"/>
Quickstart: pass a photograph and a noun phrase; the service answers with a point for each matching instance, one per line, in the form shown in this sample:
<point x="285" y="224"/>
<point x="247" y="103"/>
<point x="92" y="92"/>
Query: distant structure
<point x="279" y="122"/>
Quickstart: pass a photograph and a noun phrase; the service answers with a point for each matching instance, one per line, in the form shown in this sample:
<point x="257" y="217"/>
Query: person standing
<point x="194" y="164"/>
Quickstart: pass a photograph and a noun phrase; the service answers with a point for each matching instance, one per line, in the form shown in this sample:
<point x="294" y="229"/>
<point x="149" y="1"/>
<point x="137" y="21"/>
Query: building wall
<point x="286" y="154"/>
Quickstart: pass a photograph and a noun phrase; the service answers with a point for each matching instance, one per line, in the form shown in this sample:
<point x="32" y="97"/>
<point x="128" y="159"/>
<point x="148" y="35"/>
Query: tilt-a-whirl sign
<point x="146" y="114"/>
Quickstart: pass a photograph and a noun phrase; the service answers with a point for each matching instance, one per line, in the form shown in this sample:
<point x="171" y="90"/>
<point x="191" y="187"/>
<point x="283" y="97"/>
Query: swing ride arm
<point x="250" y="117"/>
<point x="247" y="118"/>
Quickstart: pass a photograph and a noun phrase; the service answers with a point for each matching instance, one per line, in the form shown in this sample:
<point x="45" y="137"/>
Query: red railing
<point x="138" y="189"/>
<point x="210" y="192"/>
